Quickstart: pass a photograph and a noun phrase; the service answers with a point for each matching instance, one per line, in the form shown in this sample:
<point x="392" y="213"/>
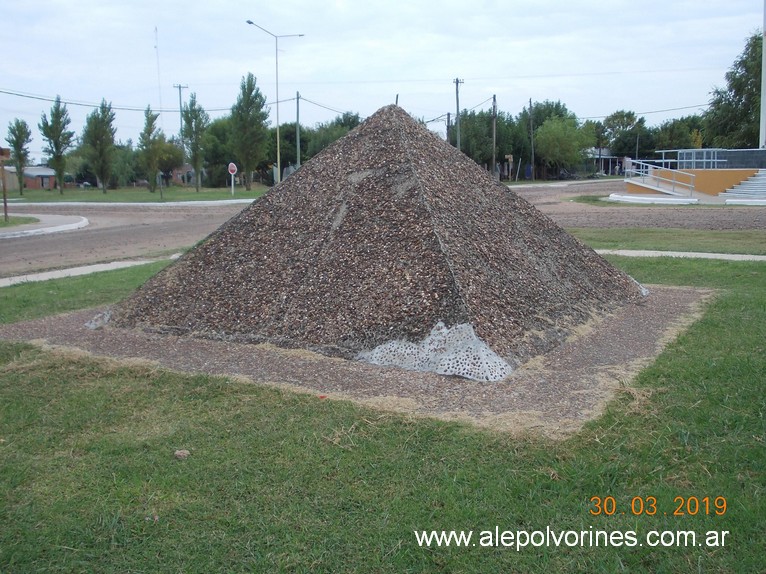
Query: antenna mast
<point x="159" y="82"/>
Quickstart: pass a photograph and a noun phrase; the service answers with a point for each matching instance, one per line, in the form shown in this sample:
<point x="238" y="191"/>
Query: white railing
<point x="668" y="180"/>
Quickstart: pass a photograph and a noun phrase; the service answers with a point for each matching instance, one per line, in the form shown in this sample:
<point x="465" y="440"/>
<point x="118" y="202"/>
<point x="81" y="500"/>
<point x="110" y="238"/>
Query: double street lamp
<point x="276" y="37"/>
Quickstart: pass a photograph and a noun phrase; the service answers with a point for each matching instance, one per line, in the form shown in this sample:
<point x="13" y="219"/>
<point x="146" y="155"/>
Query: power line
<point x="88" y="104"/>
<point x="115" y="107"/>
<point x="652" y="112"/>
<point x="28" y="96"/>
<point x="305" y="99"/>
<point x="481" y="104"/>
<point x="437" y="119"/>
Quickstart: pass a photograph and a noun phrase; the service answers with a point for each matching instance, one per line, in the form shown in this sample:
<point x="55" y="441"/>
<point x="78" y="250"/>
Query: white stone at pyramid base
<point x="446" y="351"/>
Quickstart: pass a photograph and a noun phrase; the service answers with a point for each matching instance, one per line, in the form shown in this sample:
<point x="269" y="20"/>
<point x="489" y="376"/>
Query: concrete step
<point x="753" y="187"/>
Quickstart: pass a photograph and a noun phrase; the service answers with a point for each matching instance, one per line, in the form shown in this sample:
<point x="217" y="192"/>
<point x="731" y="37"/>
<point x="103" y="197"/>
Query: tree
<point x="19" y="137"/>
<point x="679" y="133"/>
<point x="733" y="118"/>
<point x="59" y="139"/>
<point x="288" y="143"/>
<point x="171" y="156"/>
<point x="323" y="135"/>
<point x="476" y="135"/>
<point x="560" y="143"/>
<point x="596" y="133"/>
<point x="617" y="124"/>
<point x="218" y="151"/>
<point x="149" y="148"/>
<point x="98" y="142"/>
<point x="124" y="167"/>
<point x="195" y="123"/>
<point x="628" y="135"/>
<point x="348" y="120"/>
<point x="249" y="131"/>
<point x="540" y="111"/>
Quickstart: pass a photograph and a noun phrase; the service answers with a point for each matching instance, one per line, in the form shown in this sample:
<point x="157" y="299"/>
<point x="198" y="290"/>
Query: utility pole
<point x="278" y="174"/>
<point x="5" y="154"/>
<point x="298" y="129"/>
<point x="180" y="106"/>
<point x="458" y="81"/>
<point x="181" y="117"/>
<point x="532" y="138"/>
<point x="762" y="136"/>
<point x="494" y="135"/>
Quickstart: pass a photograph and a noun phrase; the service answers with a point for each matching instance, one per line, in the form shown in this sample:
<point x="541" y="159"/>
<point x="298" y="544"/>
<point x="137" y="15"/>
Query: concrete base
<point x="653" y="199"/>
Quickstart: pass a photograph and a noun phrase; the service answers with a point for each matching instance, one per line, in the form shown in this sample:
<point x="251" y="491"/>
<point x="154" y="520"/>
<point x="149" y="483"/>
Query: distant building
<point x="603" y="161"/>
<point x="34" y="178"/>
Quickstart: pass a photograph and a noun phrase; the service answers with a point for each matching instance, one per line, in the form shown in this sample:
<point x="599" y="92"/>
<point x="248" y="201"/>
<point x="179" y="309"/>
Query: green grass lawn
<point x="137" y="194"/>
<point x="285" y="482"/>
<point x="14" y="220"/>
<point x="25" y="301"/>
<point x="752" y="242"/>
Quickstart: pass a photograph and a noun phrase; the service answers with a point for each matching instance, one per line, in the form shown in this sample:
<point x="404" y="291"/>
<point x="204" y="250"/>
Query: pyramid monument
<point x="389" y="246"/>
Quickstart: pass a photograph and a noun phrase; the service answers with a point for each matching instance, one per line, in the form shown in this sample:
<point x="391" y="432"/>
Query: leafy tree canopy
<point x="249" y="132"/>
<point x="98" y="142"/>
<point x="560" y="142"/>
<point x="733" y="118"/>
<point x="195" y="123"/>
<point x="58" y="139"/>
<point x="149" y="148"/>
<point x="19" y="137"/>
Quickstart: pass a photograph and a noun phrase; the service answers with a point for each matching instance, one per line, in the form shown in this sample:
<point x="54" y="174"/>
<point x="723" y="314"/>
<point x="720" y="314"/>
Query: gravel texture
<point x="381" y="236"/>
<point x="553" y="394"/>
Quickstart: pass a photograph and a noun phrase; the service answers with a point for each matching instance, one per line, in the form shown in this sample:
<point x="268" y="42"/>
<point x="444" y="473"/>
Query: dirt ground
<point x="551" y="395"/>
<point x="114" y="233"/>
<point x="127" y="232"/>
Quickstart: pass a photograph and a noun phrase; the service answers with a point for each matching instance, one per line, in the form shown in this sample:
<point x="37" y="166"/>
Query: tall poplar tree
<point x="195" y="124"/>
<point x="19" y="137"/>
<point x="98" y="141"/>
<point x="58" y="139"/>
<point x="149" y="145"/>
<point x="249" y="131"/>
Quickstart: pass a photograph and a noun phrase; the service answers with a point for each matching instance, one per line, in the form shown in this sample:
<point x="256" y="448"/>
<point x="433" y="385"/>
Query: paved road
<point x="114" y="233"/>
<point x="123" y="232"/>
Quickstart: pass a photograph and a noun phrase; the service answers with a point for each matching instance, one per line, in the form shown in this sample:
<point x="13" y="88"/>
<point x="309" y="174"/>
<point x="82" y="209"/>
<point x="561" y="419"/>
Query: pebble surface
<point x="379" y="237"/>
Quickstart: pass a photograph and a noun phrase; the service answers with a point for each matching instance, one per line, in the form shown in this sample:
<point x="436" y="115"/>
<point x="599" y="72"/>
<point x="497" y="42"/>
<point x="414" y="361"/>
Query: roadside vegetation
<point x="279" y="481"/>
<point x="141" y="195"/>
<point x="545" y="139"/>
<point x="17" y="220"/>
<point x="35" y="299"/>
<point x="750" y="241"/>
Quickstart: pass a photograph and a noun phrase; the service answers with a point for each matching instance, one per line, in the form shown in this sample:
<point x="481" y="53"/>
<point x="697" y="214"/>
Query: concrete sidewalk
<point x="72" y="272"/>
<point x="685" y="254"/>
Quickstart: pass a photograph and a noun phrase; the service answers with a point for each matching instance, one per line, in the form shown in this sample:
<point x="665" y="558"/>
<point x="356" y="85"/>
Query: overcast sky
<point x="658" y="58"/>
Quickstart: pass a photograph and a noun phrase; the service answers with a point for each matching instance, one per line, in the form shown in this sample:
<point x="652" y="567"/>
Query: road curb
<point x="78" y="223"/>
<point x="681" y="254"/>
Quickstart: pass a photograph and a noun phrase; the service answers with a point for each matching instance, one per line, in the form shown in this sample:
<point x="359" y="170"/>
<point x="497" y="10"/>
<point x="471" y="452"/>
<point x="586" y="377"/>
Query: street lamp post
<point x="276" y="37"/>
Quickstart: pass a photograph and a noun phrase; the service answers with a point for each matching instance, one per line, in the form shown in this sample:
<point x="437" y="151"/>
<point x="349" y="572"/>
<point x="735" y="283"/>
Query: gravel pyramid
<point x="383" y="237"/>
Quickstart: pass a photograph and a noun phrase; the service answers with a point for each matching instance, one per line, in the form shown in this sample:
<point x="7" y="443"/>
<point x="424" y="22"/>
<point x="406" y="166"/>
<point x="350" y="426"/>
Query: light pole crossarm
<point x="276" y="60"/>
